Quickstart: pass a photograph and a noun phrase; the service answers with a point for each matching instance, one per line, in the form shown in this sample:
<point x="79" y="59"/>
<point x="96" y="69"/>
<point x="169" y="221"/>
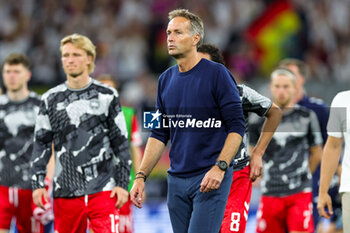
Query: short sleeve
<point x="337" y="118"/>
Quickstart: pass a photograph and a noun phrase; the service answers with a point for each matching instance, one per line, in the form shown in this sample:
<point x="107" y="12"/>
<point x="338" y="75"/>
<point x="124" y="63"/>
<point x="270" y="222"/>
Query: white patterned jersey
<point x="87" y="128"/>
<point x="286" y="159"/>
<point x="17" y="121"/>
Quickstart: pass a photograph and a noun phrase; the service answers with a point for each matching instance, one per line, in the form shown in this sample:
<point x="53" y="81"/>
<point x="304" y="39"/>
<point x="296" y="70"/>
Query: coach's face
<point x="75" y="61"/>
<point x="15" y="76"/>
<point x="180" y="39"/>
<point x="282" y="90"/>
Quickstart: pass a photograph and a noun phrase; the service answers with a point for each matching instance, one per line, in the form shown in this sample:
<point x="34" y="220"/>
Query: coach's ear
<point x="195" y="39"/>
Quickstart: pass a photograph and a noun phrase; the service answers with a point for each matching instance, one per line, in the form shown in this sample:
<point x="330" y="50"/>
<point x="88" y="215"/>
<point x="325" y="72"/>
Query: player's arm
<point x="51" y="165"/>
<point x="273" y="118"/>
<point x="153" y="151"/>
<point x="42" y="151"/>
<point x="118" y="137"/>
<point x="253" y="101"/>
<point x="329" y="165"/>
<point x="315" y="157"/>
<point x="50" y="173"/>
<point x="45" y="216"/>
<point x="254" y="132"/>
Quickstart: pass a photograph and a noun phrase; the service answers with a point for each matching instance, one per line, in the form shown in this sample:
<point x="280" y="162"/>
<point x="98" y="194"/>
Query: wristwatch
<point x="222" y="165"/>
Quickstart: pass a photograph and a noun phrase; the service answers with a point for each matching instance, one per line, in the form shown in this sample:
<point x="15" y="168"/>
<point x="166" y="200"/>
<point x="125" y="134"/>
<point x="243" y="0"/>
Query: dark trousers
<point x="192" y="211"/>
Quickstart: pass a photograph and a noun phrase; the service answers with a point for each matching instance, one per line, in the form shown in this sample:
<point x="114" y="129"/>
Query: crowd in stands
<point x="131" y="39"/>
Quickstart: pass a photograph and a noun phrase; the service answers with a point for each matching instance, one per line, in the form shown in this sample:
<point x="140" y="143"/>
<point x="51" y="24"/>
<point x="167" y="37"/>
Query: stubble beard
<point x="17" y="89"/>
<point x="74" y="75"/>
<point x="178" y="55"/>
<point x="284" y="103"/>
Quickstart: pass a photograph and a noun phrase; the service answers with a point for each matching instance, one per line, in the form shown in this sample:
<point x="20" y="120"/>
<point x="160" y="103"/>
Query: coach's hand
<point x="137" y="192"/>
<point x="38" y="196"/>
<point x="122" y="196"/>
<point x="324" y="200"/>
<point x="212" y="179"/>
<point x="255" y="164"/>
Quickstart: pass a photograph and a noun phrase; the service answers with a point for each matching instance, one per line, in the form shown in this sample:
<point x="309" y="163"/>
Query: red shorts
<point x="293" y="212"/>
<point x="237" y="206"/>
<point x="72" y="214"/>
<point x="125" y="218"/>
<point x="15" y="202"/>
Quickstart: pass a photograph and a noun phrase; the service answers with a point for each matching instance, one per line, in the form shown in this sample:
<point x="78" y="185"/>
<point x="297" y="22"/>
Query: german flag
<point x="272" y="34"/>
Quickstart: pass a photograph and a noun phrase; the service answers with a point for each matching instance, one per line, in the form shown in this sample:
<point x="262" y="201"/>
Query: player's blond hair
<point x="84" y="43"/>
<point x="197" y="26"/>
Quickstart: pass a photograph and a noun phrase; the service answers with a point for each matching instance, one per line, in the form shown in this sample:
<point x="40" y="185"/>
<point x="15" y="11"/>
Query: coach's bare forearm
<point x="136" y="157"/>
<point x="153" y="151"/>
<point x="230" y="148"/>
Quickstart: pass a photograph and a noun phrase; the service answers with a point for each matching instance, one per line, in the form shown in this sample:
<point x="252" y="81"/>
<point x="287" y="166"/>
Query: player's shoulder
<point x="34" y="95"/>
<point x="316" y="101"/>
<point x="246" y="90"/>
<point x="302" y="110"/>
<point x="313" y="102"/>
<point x="104" y="88"/>
<point x="341" y="99"/>
<point x="55" y="90"/>
<point x="34" y="98"/>
<point x="342" y="95"/>
<point x="4" y="99"/>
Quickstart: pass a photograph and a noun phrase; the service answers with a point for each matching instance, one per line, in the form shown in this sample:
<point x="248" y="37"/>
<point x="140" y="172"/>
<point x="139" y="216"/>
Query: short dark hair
<point x="302" y="67"/>
<point x="16" y="59"/>
<point x="213" y="51"/>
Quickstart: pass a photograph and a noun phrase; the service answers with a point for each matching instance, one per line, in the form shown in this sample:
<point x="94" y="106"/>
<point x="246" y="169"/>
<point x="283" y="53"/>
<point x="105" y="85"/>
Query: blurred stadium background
<point x="131" y="45"/>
